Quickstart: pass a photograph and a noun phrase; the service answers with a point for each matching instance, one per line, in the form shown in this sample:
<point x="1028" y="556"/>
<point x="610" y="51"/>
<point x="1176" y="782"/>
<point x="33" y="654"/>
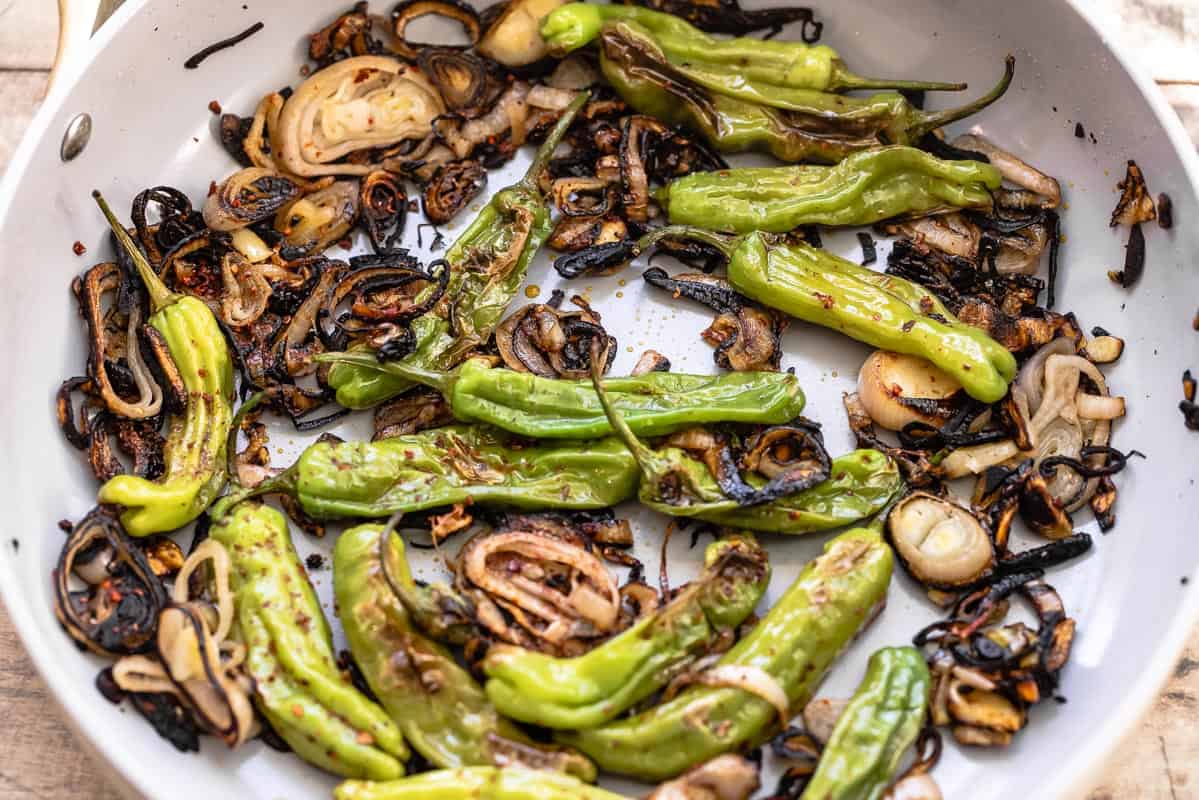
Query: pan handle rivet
<point x="79" y="130"/>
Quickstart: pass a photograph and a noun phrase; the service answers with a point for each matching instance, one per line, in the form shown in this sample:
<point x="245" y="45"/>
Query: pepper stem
<point x="720" y="241"/>
<point x="926" y="122"/>
<point x="644" y="456"/>
<point x="441" y="381"/>
<point x="283" y="483"/>
<point x="844" y="80"/>
<point x="160" y="295"/>
<point x="541" y="161"/>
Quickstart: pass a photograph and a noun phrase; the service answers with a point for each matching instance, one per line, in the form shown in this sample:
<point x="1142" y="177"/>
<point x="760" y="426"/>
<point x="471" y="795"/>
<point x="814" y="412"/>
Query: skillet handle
<point x="78" y="19"/>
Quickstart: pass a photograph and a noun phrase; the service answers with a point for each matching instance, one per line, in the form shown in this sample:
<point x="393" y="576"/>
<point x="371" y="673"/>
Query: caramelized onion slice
<point x="247" y="196"/>
<point x="404" y="13"/>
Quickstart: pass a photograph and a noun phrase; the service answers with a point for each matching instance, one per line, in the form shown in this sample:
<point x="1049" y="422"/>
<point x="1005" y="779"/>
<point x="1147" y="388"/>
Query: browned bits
<point x="214" y="106"/>
<point x="79" y="248"/>
<point x="1165" y="211"/>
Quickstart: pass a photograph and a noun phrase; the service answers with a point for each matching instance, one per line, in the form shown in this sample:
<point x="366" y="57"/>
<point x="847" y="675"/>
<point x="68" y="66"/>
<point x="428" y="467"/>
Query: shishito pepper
<point x="591" y="689"/>
<point x="781" y="63"/>
<point x="289" y="654"/>
<point x="477" y="783"/>
<point x="195" y="440"/>
<point x="881" y="310"/>
<point x="455" y="464"/>
<point x="736" y="114"/>
<point x="793" y="646"/>
<point x="441" y="709"/>
<point x="487" y="265"/>
<point x="863" y="189"/>
<point x="881" y="722"/>
<point x="553" y="408"/>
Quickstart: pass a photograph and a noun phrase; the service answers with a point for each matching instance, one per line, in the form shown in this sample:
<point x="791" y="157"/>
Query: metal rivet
<point x="75" y="139"/>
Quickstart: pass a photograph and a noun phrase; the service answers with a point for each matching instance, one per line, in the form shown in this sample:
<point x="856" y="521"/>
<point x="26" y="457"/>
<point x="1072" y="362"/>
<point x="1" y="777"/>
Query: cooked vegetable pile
<point x="529" y="667"/>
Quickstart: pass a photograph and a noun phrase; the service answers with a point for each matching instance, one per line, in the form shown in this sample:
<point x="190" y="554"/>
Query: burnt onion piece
<point x="349" y="34"/>
<point x="650" y="361"/>
<point x="404" y="13"/>
<point x="247" y="196"/>
<point x="117" y="612"/>
<point x="596" y="259"/>
<point x="451" y="189"/>
<point x="315" y="221"/>
<point x="1134" y="259"/>
<point x="545" y="341"/>
<point x="939" y="543"/>
<point x="383" y="210"/>
<point x="177" y="221"/>
<point x="727" y="16"/>
<point x="1136" y="203"/>
<point x="791" y="458"/>
<point x="463" y="80"/>
<point x="414" y="411"/>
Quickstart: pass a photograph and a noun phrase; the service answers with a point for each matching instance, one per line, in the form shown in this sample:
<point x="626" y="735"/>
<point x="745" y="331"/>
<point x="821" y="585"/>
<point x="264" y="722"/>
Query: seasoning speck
<point x="1079" y="133"/>
<point x="78" y="248"/>
<point x="65" y="525"/>
<point x="314" y="561"/>
<point x="214" y="106"/>
<point x="532" y="290"/>
<point x="16" y="545"/>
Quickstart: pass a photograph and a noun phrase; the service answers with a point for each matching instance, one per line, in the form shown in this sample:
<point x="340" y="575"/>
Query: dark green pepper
<point x="552" y="408"/>
<point x="781" y="63"/>
<point x="441" y="709"/>
<point x="880" y="723"/>
<point x="487" y="265"/>
<point x="591" y="689"/>
<point x="881" y="310"/>
<point x="863" y="189"/>
<point x="791" y="124"/>
<point x="477" y="783"/>
<point x="780" y="661"/>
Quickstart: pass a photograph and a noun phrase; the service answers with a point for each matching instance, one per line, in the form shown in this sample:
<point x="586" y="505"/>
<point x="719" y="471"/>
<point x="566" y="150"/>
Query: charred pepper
<point x="737" y="115"/>
<point x="881" y="722"/>
<point x="477" y="783"/>
<point x="289" y="654"/>
<point x="788" y="651"/>
<point x="441" y="709"/>
<point x="583" y="692"/>
<point x="195" y="440"/>
<point x="881" y="310"/>
<point x="487" y="265"/>
<point x="554" y="408"/>
<point x="865" y="188"/>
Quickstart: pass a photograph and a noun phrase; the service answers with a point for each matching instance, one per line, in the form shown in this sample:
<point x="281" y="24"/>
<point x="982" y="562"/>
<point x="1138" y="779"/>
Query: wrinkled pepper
<point x="865" y="188"/>
<point x="441" y="709"/>
<point x="794" y="645"/>
<point x="676" y="483"/>
<point x="194" y="452"/>
<point x="736" y="114"/>
<point x="591" y="689"/>
<point x="780" y="63"/>
<point x="881" y="310"/>
<point x="477" y="783"/>
<point x="289" y="654"/>
<point x="487" y="265"/>
<point x="552" y="408"/>
<point x="455" y="464"/>
<point x="881" y="722"/>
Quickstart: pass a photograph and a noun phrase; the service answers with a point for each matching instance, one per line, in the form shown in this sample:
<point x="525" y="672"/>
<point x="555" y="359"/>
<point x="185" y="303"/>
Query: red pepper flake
<point x="305" y="70"/>
<point x="214" y="106"/>
<point x="297" y="711"/>
<point x="79" y="248"/>
<point x="361" y="75"/>
<point x="826" y="300"/>
<point x="926" y="304"/>
<point x="365" y="738"/>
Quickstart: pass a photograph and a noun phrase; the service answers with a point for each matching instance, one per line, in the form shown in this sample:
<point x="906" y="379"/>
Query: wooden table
<point x="39" y="757"/>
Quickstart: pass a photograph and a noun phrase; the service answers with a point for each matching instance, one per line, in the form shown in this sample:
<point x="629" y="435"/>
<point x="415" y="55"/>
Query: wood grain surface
<point x="39" y="757"/>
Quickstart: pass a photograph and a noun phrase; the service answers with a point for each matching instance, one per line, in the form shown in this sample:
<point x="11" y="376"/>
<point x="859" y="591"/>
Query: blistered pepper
<point x="865" y="188"/>
<point x="790" y="649"/>
<point x="554" y="408"/>
<point x="881" y="310"/>
<point x="289" y="654"/>
<point x="441" y="709"/>
<point x="591" y="689"/>
<point x="736" y="114"/>
<point x="194" y="452"/>
<point x="487" y="265"/>
<point x="881" y="722"/>
<point x="477" y="783"/>
<point x="789" y="64"/>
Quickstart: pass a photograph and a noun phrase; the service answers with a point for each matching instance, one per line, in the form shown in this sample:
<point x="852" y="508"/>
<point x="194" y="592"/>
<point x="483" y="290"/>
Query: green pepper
<point x="477" y="783"/>
<point x="487" y="265"/>
<point x="881" y="310"/>
<point x="781" y="63"/>
<point x="552" y="408"/>
<point x="289" y="654"/>
<point x="441" y="709"/>
<point x="861" y="190"/>
<point x="880" y="723"/>
<point x="194" y="452"/>
<point x="793" y="646"/>
<point x="583" y="692"/>
<point x="736" y="114"/>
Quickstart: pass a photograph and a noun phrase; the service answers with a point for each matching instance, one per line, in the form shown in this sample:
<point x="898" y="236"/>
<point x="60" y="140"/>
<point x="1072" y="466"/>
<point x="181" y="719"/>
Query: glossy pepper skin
<point x="477" y="783"/>
<point x="551" y="408"/>
<point x="441" y="709"/>
<point x="736" y="114"/>
<point x="833" y="598"/>
<point x="195" y="439"/>
<point x="881" y="722"/>
<point x="487" y="265"/>
<point x="289" y="654"/>
<point x="786" y="64"/>
<point x="591" y="689"/>
<point x="863" y="189"/>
